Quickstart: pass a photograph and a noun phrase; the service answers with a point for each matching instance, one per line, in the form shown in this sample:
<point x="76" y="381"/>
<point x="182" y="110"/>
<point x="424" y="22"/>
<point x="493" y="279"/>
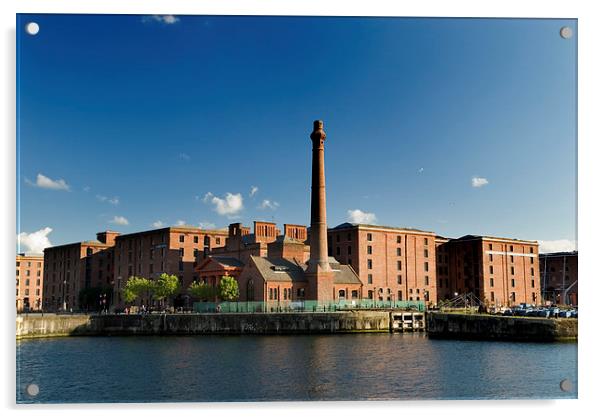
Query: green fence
<point x="305" y="306"/>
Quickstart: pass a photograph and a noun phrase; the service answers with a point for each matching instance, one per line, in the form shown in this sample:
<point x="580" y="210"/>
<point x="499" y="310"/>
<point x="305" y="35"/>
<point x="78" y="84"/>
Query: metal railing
<point x="305" y="306"/>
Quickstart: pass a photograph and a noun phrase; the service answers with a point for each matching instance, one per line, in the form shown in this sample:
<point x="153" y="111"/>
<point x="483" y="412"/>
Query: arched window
<point x="342" y="294"/>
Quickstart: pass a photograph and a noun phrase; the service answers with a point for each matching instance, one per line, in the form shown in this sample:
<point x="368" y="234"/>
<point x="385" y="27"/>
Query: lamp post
<point x="64" y="297"/>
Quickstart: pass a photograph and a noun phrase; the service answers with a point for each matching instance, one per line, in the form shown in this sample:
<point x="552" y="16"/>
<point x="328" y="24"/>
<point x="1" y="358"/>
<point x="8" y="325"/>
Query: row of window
<point x="28" y="273"/>
<point x="512" y="270"/>
<point x="399" y="265"/>
<point x="369" y="237"/>
<point x="38" y="264"/>
<point x="513" y="297"/>
<point x="511" y="249"/>
<point x="512" y="283"/>
<point x="27" y="292"/>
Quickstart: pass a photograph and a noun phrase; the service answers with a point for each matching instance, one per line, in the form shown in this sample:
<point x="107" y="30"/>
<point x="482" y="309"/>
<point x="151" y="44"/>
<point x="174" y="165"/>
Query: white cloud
<point x="479" y="181"/>
<point x="119" y="220"/>
<point x="35" y="242"/>
<point x="553" y="246"/>
<point x="167" y="19"/>
<point x="158" y="224"/>
<point x="112" y="200"/>
<point x="86" y="189"/>
<point x="180" y="222"/>
<point x="206" y="225"/>
<point x="357" y="216"/>
<point x="230" y="206"/>
<point x="47" y="183"/>
<point x="421" y="170"/>
<point x="268" y="204"/>
<point x="254" y="190"/>
<point x="184" y="156"/>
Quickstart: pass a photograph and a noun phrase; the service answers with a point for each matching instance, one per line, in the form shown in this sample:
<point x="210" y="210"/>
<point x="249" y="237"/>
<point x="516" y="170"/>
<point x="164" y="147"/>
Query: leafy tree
<point x="228" y="289"/>
<point x="135" y="287"/>
<point x="165" y="286"/>
<point x="202" y="291"/>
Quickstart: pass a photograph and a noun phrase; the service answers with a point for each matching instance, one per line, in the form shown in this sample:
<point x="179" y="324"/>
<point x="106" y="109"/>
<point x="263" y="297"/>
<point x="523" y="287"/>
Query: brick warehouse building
<point x="30" y="273"/>
<point x="392" y="263"/>
<point x="499" y="271"/>
<point x="70" y="268"/>
<point x="555" y="284"/>
<point x="173" y="250"/>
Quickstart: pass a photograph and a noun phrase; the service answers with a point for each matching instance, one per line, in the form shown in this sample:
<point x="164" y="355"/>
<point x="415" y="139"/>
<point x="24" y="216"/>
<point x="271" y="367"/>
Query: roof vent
<point x="280" y="268"/>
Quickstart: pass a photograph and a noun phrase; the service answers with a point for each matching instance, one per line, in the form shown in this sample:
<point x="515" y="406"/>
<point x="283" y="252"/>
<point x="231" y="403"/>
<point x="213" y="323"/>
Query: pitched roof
<point x="285" y="270"/>
<point x="279" y="269"/>
<point x="228" y="261"/>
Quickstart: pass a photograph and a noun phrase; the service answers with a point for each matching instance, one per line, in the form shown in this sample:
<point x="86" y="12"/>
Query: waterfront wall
<point x="222" y="323"/>
<point x="490" y="327"/>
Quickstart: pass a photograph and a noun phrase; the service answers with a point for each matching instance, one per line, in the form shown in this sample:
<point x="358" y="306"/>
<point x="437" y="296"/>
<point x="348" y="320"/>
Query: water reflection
<point x="327" y="367"/>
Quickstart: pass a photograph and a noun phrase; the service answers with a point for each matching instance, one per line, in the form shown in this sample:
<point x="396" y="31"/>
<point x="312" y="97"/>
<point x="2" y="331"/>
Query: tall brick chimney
<point x="320" y="276"/>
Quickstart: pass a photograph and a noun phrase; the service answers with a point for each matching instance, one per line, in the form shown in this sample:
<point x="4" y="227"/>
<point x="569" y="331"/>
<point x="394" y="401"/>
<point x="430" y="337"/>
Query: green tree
<point x="228" y="289"/>
<point x="165" y="287"/>
<point x="202" y="291"/>
<point x="135" y="287"/>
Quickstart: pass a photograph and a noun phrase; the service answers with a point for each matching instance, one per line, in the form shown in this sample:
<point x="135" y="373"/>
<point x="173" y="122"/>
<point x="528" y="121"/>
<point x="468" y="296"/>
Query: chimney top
<point x="318" y="133"/>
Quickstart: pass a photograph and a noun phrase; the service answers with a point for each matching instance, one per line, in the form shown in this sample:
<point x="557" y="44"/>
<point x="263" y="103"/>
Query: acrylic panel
<point x="300" y="208"/>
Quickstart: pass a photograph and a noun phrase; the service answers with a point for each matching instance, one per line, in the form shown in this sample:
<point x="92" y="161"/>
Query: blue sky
<point x="156" y="120"/>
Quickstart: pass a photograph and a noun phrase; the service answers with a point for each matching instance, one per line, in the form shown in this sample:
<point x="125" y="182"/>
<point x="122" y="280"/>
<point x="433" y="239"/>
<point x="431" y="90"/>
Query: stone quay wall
<point x="34" y="326"/>
<point x="490" y="327"/>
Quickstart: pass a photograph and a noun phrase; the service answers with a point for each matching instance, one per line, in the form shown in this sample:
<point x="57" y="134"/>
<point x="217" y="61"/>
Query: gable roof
<point x="286" y="270"/>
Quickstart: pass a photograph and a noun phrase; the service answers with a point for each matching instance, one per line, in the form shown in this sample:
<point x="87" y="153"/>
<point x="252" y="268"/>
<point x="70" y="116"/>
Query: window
<point x="490" y="247"/>
<point x="512" y="270"/>
<point x="369" y="237"/>
<point x="399" y="279"/>
<point x="338" y="250"/>
<point x="491" y="282"/>
<point x="369" y="278"/>
<point x="533" y="298"/>
<point x="17" y="272"/>
<point x="513" y="297"/>
<point x="531" y="259"/>
<point x="370" y="294"/>
<point x="426" y="253"/>
<point x="426" y="241"/>
<point x="512" y="259"/>
<point x="18" y="263"/>
<point x="532" y="271"/>
<point x="512" y="283"/>
<point x="531" y="250"/>
<point x="348" y="236"/>
<point x="369" y="264"/>
<point x="271" y="294"/>
<point x="354" y="294"/>
<point x="490" y="258"/>
<point x="490" y="269"/>
<point x="399" y="295"/>
<point x="492" y="297"/>
<point x="399" y="265"/>
<point x="369" y="249"/>
<point x="27" y="272"/>
<point x="398" y="252"/>
<point x="338" y="238"/>
<point x="196" y="239"/>
<point x="399" y="239"/>
<point x="181" y="238"/>
<point x="150" y="268"/>
<point x="426" y="280"/>
<point x="426" y="266"/>
<point x="532" y="283"/>
<point x="181" y="252"/>
<point x="181" y="266"/>
<point x="217" y="240"/>
<point x="349" y="250"/>
<point x="512" y="248"/>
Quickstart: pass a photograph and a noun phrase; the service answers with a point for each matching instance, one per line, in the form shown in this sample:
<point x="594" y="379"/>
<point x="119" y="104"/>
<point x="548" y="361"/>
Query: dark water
<point x="265" y="368"/>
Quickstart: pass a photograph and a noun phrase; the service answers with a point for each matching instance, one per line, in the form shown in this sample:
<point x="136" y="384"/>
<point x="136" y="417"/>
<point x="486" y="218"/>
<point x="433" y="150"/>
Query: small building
<point x="30" y="275"/>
